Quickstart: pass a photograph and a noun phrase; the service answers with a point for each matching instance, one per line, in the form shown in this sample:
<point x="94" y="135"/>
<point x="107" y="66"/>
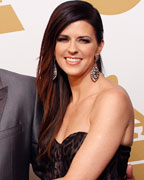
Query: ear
<point x="100" y="47"/>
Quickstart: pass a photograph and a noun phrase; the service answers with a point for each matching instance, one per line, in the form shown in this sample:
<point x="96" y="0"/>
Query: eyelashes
<point x="85" y="40"/>
<point x="62" y="39"/>
<point x="81" y="40"/>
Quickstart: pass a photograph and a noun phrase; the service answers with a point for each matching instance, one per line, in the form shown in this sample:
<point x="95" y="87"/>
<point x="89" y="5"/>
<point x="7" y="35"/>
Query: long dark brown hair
<point x="55" y="94"/>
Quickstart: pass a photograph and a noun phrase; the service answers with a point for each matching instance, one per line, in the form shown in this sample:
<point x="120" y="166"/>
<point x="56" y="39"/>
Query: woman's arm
<point x="109" y="120"/>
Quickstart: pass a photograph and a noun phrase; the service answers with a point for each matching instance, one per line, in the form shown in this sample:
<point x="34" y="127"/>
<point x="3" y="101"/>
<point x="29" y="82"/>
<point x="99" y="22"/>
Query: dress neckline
<point x="85" y="133"/>
<point x="70" y="135"/>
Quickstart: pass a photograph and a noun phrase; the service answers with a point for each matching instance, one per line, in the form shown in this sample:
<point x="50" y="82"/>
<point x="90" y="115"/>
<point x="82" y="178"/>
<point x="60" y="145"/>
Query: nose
<point x="72" y="49"/>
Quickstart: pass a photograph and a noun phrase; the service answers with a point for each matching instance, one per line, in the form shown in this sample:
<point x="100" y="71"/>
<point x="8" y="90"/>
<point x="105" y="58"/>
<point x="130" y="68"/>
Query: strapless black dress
<point x="62" y="155"/>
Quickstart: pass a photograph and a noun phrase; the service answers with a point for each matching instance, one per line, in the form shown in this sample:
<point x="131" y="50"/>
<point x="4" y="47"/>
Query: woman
<point x="87" y="128"/>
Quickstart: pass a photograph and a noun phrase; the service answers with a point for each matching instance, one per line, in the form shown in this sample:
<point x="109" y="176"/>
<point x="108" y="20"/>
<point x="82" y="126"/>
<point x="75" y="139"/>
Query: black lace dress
<point x="62" y="155"/>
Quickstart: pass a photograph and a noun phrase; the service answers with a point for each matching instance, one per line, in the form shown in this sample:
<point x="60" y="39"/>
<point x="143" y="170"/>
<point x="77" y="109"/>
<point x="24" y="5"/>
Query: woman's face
<point x="76" y="48"/>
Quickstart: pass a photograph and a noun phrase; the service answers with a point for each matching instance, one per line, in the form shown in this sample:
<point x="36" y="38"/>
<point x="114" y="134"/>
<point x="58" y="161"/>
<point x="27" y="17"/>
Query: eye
<point x="62" y="39"/>
<point x="84" y="40"/>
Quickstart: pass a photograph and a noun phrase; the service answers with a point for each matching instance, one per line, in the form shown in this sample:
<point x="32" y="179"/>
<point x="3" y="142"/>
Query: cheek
<point x="58" y="54"/>
<point x="60" y="49"/>
<point x="57" y="50"/>
<point x="90" y="52"/>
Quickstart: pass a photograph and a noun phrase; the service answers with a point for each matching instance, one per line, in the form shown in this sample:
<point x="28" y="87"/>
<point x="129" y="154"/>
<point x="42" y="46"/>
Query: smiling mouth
<point x="73" y="60"/>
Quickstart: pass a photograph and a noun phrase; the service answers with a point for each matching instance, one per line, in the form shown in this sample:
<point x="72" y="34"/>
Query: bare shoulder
<point x="111" y="92"/>
<point x="115" y="95"/>
<point x="113" y="102"/>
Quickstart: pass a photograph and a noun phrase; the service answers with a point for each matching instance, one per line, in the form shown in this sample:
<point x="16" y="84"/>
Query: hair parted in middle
<point x="55" y="95"/>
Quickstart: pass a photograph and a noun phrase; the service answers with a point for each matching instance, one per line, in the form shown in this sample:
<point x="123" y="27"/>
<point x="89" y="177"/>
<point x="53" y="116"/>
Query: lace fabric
<point x="63" y="153"/>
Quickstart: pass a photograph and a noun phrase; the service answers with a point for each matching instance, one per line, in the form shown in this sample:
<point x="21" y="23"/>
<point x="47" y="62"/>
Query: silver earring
<point x="54" y="71"/>
<point x="95" y="72"/>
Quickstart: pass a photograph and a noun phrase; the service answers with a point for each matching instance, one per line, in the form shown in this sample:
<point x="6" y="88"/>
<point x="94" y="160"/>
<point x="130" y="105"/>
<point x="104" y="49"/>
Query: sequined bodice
<point x="62" y="155"/>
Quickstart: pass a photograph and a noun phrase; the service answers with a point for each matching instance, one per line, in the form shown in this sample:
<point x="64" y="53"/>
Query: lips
<point x="73" y="60"/>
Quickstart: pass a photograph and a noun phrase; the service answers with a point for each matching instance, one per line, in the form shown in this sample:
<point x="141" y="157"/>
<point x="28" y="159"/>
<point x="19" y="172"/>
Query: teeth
<point x="73" y="59"/>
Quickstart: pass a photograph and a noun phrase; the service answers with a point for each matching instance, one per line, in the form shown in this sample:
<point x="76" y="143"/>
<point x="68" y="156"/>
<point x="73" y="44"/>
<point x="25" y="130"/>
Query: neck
<point x="82" y="87"/>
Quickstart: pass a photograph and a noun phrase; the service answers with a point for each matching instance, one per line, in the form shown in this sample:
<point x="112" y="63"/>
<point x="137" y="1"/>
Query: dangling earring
<point x="95" y="71"/>
<point x="54" y="71"/>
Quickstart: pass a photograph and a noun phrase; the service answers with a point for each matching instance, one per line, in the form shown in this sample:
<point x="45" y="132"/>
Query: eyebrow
<point x="63" y="35"/>
<point x="85" y="36"/>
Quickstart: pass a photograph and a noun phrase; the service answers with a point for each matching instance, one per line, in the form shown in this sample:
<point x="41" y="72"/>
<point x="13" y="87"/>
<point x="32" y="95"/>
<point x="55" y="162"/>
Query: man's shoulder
<point x="4" y="72"/>
<point x="21" y="86"/>
<point x="6" y="75"/>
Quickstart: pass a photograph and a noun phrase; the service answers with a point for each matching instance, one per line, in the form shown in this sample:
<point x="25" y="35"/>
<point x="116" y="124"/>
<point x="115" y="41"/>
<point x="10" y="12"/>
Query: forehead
<point x="80" y="27"/>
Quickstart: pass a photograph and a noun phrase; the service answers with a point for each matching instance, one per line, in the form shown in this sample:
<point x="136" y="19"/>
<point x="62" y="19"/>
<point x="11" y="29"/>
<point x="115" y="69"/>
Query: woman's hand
<point x="129" y="173"/>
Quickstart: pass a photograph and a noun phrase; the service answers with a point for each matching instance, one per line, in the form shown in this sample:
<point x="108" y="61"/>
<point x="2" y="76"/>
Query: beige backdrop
<point x="22" y="24"/>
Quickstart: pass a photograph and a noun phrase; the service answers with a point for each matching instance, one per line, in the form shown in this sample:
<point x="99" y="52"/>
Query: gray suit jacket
<point x="19" y="125"/>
